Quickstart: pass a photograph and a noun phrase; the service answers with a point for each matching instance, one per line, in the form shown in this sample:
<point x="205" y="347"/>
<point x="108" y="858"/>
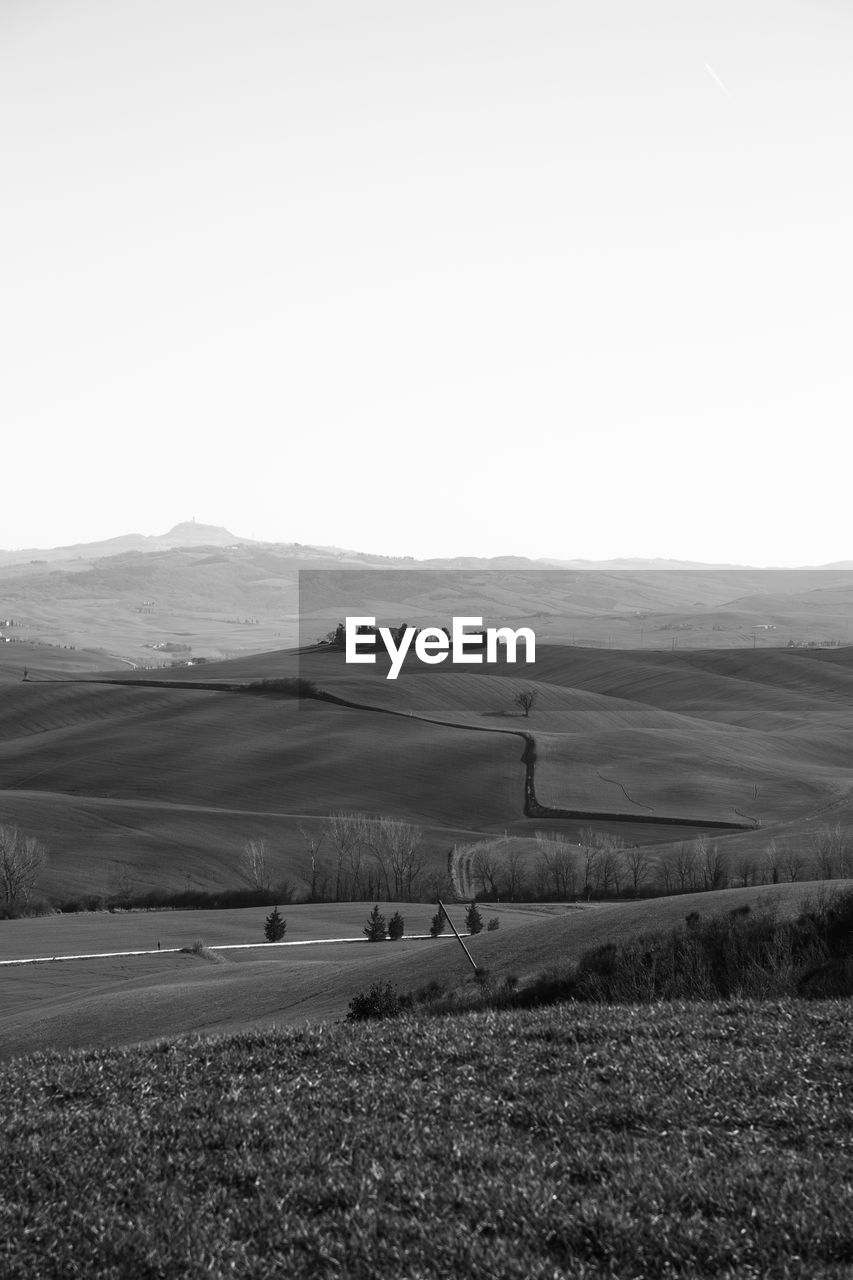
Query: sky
<point x="534" y="277"/>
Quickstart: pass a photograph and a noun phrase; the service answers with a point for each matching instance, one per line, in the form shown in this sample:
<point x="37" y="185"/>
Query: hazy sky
<point x="550" y="278"/>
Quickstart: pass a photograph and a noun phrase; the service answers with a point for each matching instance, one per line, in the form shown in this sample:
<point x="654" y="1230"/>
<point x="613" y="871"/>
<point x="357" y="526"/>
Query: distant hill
<point x="185" y="534"/>
<point x="200" y="591"/>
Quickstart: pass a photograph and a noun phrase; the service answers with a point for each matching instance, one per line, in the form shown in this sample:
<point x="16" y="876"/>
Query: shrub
<point x="375" y="930"/>
<point x="274" y="926"/>
<point x="493" y="924"/>
<point x="437" y="926"/>
<point x="553" y="986"/>
<point x="396" y="925"/>
<point x="473" y="919"/>
<point x="429" y="992"/>
<point x="380" y="1001"/>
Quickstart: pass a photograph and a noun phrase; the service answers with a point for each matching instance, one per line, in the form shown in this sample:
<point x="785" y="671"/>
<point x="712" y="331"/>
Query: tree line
<point x="603" y="865"/>
<point x="353" y="857"/>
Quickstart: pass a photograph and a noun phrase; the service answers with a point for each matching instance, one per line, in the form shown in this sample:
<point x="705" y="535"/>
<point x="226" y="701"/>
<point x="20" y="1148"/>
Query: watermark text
<point x="434" y="644"/>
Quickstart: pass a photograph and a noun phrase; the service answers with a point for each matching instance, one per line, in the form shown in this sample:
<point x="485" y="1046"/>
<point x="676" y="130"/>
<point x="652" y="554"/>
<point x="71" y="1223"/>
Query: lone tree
<point x="274" y="926"/>
<point x="375" y="930"/>
<point x="21" y="860"/>
<point x="437" y="926"/>
<point x="396" y="925"/>
<point x="473" y="919"/>
<point x="526" y="700"/>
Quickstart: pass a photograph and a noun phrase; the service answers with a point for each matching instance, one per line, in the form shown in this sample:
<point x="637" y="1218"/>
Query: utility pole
<point x="458" y="939"/>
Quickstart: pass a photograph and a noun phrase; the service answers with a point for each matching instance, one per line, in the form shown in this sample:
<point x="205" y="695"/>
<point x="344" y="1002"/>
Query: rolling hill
<point x="200" y="591"/>
<point x="161" y="777"/>
<point x="125" y="1000"/>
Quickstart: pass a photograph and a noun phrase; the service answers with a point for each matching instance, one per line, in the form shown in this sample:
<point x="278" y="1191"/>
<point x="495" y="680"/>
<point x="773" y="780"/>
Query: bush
<point x="274" y="926"/>
<point x="375" y="930"/>
<point x="473" y="919"/>
<point x="396" y="925"/>
<point x="552" y="986"/>
<point x="493" y="924"/>
<point x="739" y="955"/>
<point x="380" y="1001"/>
<point x="437" y="926"/>
<point x="427" y="994"/>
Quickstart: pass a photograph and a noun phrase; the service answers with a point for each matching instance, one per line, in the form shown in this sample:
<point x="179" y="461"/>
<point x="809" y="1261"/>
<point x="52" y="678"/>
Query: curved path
<point x="532" y="807"/>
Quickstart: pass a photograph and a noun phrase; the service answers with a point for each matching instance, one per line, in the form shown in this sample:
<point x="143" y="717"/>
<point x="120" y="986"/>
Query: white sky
<point x="541" y="277"/>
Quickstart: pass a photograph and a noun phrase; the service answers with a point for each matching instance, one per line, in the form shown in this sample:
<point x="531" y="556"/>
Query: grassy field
<point x="103" y="931"/>
<point x="683" y="1141"/>
<point x="118" y="1001"/>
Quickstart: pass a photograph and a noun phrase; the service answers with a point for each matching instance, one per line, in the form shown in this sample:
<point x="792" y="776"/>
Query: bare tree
<point x="254" y="865"/>
<point x="591" y="871"/>
<point x="345" y="832"/>
<point x="487" y="869"/>
<point x="317" y="870"/>
<point x="526" y="700"/>
<point x="792" y="865"/>
<point x="638" y="865"/>
<point x="684" y="865"/>
<point x="558" y="865"/>
<point x="396" y="847"/>
<point x="770" y="863"/>
<point x="828" y="851"/>
<point x="667" y="876"/>
<point x="611" y="866"/>
<point x="712" y="865"/>
<point x="743" y="869"/>
<point x="22" y="858"/>
<point x="514" y="882"/>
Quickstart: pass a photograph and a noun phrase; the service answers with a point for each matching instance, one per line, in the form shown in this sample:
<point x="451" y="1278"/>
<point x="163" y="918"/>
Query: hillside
<point x="162" y="776"/>
<point x="118" y="1000"/>
<point x="169" y="783"/>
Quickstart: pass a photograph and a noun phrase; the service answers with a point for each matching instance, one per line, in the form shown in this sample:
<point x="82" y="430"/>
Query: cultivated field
<point x="160" y="781"/>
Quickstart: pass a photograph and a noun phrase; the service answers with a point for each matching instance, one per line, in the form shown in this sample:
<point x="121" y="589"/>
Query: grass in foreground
<point x="671" y="1140"/>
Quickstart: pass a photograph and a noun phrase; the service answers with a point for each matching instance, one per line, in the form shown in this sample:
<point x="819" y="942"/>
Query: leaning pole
<point x="458" y="938"/>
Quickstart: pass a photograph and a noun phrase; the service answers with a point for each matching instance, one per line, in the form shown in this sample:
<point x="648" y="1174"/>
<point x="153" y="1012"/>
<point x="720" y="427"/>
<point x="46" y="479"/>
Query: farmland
<point x="572" y="1141"/>
<point x="158" y="779"/>
<point x="151" y="781"/>
<point x="118" y="1000"/>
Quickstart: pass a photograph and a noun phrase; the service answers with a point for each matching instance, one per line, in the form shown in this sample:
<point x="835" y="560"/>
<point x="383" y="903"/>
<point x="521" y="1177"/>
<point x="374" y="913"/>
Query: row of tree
<point x="378" y="929"/>
<point x="602" y="865"/>
<point x="354" y="857"/>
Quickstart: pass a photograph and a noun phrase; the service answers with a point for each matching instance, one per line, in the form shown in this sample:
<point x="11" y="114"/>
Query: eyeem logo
<point x="432" y="644"/>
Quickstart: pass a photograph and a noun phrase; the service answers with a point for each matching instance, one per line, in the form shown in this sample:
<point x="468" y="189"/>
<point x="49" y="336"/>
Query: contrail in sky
<point x="712" y="73"/>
